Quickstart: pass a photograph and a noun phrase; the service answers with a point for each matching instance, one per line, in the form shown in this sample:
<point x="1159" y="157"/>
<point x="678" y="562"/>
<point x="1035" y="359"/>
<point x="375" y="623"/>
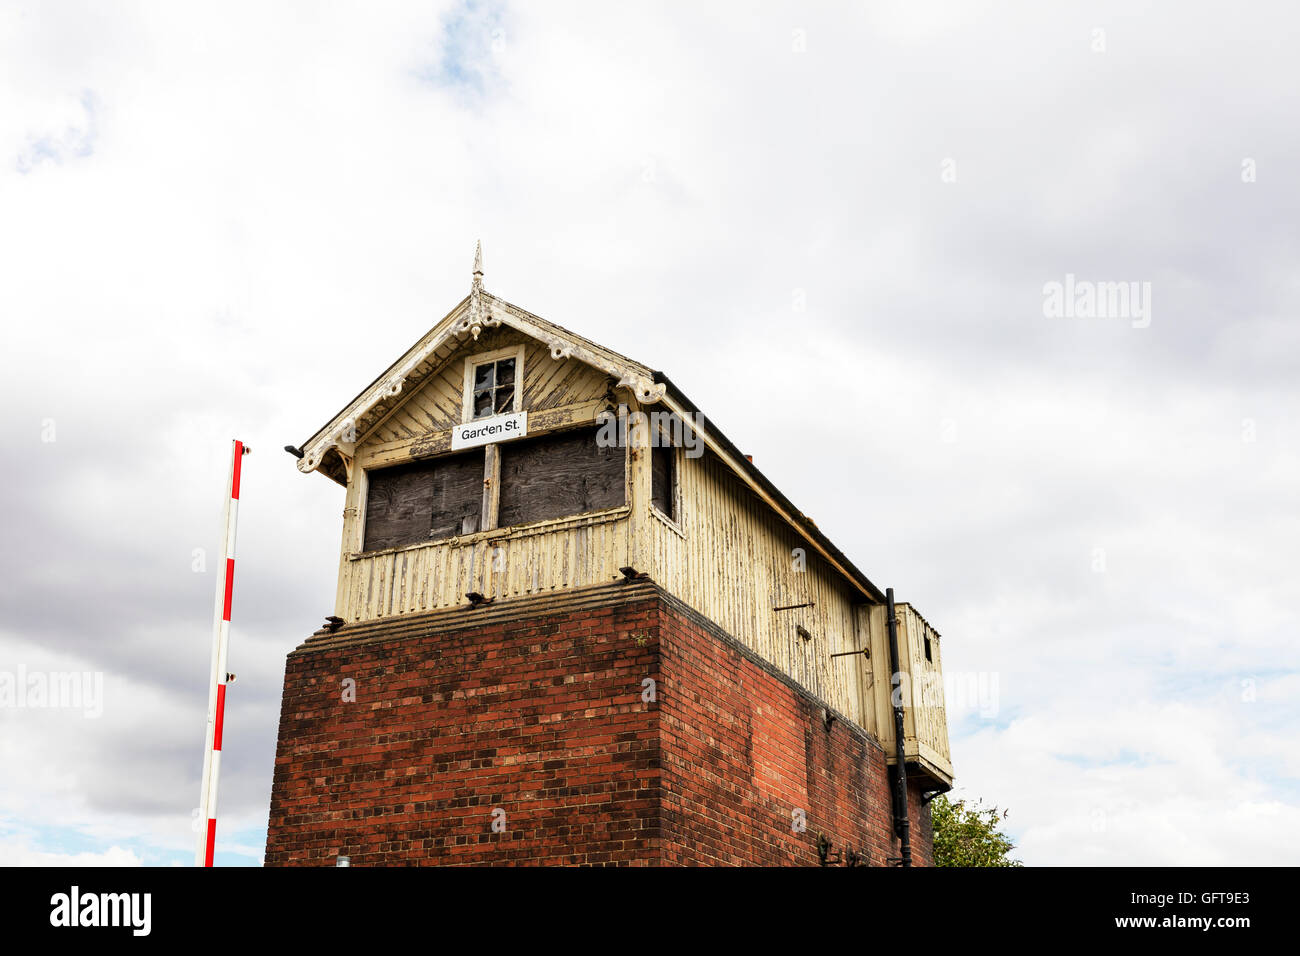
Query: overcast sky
<point x="832" y="225"/>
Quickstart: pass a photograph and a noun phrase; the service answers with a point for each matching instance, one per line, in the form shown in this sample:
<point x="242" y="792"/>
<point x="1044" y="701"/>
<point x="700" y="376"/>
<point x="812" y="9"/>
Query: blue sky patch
<point x="472" y="41"/>
<point x="74" y="141"/>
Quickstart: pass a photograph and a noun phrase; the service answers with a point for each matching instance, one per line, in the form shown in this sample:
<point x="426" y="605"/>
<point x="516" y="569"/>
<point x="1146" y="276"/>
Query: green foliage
<point x="966" y="835"/>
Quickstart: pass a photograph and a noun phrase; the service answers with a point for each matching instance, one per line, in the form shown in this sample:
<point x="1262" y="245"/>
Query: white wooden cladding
<point x="925" y="719"/>
<point x="547" y="557"/>
<point x="727" y="555"/>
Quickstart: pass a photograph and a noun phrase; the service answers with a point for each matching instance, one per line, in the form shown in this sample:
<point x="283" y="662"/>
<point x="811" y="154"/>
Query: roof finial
<point x="477" y="318"/>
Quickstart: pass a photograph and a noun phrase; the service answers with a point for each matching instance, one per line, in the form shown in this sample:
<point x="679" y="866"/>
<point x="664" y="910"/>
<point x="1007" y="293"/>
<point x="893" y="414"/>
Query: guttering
<point x="902" y="826"/>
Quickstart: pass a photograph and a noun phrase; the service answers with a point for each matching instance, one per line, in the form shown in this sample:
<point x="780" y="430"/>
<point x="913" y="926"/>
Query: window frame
<point x="472" y="362"/>
<point x="673" y="517"/>
<point x="674" y="520"/>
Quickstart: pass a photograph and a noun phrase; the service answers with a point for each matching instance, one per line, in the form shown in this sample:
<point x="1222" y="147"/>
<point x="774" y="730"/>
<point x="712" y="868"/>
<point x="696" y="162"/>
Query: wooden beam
<point x="491" y="486"/>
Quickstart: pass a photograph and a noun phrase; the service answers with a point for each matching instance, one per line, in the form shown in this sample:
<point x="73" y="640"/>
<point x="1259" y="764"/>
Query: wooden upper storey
<point x="430" y="526"/>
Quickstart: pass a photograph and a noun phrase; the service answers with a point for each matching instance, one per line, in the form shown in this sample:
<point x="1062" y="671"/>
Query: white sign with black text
<point x="487" y="430"/>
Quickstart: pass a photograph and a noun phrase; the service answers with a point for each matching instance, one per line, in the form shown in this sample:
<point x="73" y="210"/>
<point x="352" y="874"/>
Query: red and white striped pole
<point x="217" y="685"/>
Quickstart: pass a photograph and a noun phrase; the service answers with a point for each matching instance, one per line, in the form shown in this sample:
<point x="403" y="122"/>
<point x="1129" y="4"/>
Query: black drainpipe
<point x="902" y="826"/>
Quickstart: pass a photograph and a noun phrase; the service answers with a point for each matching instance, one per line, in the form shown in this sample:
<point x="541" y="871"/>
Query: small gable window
<point x="493" y="388"/>
<point x="494" y="383"/>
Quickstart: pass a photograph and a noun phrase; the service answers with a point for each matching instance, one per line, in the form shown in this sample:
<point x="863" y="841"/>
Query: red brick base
<point x="522" y="733"/>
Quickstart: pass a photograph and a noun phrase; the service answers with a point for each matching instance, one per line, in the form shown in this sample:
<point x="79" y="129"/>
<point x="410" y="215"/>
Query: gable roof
<point x="327" y="449"/>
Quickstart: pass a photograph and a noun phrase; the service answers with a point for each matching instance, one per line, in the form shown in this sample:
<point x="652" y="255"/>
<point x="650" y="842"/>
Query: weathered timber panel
<point x="559" y="475"/>
<point x="398" y="505"/>
<point x="411" y="503"/>
<point x="457" y="494"/>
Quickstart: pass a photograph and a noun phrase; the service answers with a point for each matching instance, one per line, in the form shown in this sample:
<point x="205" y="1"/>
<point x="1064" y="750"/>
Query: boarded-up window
<point x="457" y="495"/>
<point x="559" y="475"/>
<point x="398" y="504"/>
<point x="428" y="499"/>
<point x="663" y="462"/>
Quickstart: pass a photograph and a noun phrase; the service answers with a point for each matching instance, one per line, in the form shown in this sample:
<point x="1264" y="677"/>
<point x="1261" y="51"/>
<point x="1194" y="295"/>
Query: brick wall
<point x="540" y="717"/>
<point x="534" y="707"/>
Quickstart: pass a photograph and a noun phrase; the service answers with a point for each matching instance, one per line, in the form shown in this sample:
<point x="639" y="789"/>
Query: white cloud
<point x="18" y="853"/>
